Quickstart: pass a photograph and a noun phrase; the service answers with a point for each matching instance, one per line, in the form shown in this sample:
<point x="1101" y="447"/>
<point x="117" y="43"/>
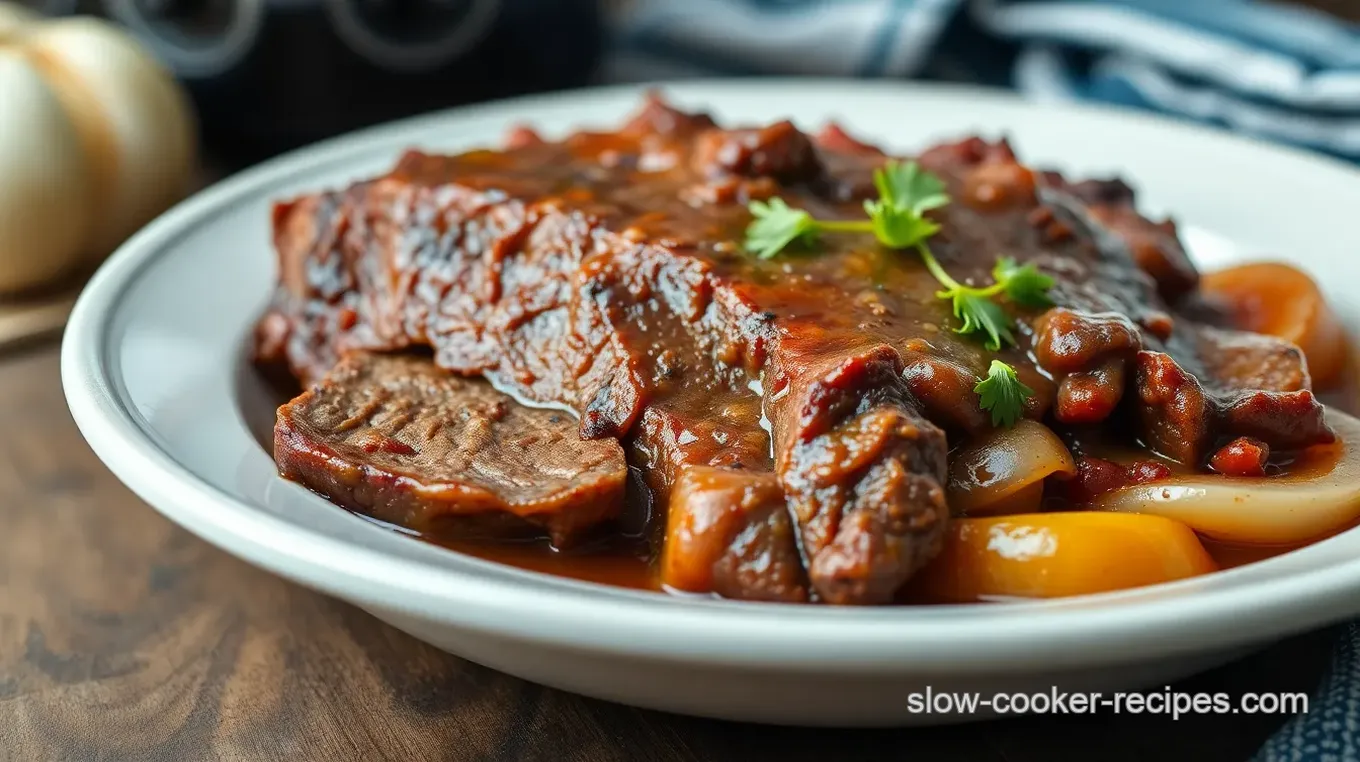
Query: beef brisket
<point x="397" y="438"/>
<point x="604" y="273"/>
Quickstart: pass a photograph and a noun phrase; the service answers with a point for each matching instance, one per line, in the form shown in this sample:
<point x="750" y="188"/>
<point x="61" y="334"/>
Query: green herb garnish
<point x="974" y="306"/>
<point x="776" y="225"/>
<point x="906" y="186"/>
<point x="1002" y="394"/>
<point x="897" y="219"/>
<point x="1023" y="284"/>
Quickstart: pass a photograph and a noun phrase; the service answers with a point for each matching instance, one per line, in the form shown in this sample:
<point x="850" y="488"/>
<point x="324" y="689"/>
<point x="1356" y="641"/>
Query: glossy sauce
<point x="1344" y="396"/>
<point x="670" y="335"/>
<point x="619" y="562"/>
<point x="630" y="561"/>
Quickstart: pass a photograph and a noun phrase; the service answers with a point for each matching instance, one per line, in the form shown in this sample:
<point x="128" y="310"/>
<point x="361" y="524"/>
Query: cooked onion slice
<point x="1003" y="471"/>
<point x="1320" y="496"/>
<point x="1279" y="300"/>
<point x="1050" y="555"/>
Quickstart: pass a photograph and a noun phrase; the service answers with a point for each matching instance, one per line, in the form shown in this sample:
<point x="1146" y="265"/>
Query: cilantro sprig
<point x="897" y="219"/>
<point x="1022" y="284"/>
<point x="776" y="225"/>
<point x="1003" y="394"/>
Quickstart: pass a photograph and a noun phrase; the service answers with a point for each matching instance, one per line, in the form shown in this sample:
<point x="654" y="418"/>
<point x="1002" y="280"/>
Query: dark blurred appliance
<point x="267" y="75"/>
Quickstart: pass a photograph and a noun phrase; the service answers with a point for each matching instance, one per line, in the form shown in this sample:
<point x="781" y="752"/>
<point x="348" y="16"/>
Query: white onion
<point x="96" y="138"/>
<point x="1292" y="508"/>
<point x="1004" y="471"/>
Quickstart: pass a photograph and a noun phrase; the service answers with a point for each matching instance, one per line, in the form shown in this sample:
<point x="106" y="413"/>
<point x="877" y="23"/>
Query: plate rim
<point x="595" y="617"/>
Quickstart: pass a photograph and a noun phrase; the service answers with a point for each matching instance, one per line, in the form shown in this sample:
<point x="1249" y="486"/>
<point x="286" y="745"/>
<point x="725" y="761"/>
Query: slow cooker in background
<point x="268" y="75"/>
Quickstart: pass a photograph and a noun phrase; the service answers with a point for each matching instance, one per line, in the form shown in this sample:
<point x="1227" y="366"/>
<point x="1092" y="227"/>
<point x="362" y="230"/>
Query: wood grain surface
<point x="122" y="637"/>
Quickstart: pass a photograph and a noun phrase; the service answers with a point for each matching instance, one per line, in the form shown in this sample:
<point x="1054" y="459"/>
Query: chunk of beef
<point x="1097" y="476"/>
<point x="729" y="532"/>
<point x="728" y="529"/>
<point x="1186" y="419"/>
<point x="1243" y="456"/>
<point x="397" y="438"/>
<point x="605" y="273"/>
<point x="659" y="119"/>
<point x="835" y="139"/>
<point x="1154" y="245"/>
<point x="1089" y="353"/>
<point x="779" y="151"/>
<point x="862" y="469"/>
<point x="520" y="136"/>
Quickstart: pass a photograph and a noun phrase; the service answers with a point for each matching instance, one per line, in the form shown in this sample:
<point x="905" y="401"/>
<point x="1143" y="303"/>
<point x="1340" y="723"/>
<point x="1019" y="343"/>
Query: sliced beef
<point x="605" y="273"/>
<point x="397" y="438"/>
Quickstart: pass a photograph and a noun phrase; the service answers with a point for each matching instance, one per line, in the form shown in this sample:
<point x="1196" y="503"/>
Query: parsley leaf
<point x="1023" y="284"/>
<point x="1002" y="394"/>
<point x="896" y="227"/>
<point x="905" y="186"/>
<point x="897" y="220"/>
<point x="979" y="314"/>
<point x="776" y="225"/>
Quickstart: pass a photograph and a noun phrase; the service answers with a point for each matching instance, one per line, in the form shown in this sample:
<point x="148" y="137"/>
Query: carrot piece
<point x="1281" y="300"/>
<point x="1050" y="555"/>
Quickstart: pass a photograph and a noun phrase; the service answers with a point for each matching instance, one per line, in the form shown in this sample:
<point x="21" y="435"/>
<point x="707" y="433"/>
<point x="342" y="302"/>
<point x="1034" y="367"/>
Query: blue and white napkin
<point x="1330" y="731"/>
<point x="1279" y="72"/>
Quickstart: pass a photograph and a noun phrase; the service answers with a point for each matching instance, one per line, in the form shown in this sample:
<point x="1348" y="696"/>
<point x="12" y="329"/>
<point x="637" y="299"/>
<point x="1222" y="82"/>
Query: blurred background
<point x="266" y="75"/>
<point x="133" y="103"/>
<point x="111" y="111"/>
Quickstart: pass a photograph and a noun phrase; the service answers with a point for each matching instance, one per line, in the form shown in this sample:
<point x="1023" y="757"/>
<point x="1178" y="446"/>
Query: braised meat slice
<point x="605" y="273"/>
<point x="397" y="438"/>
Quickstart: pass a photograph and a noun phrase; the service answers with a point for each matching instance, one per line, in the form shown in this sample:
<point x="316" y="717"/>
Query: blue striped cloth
<point x="1330" y="731"/>
<point x="1276" y="71"/>
<point x="1280" y="72"/>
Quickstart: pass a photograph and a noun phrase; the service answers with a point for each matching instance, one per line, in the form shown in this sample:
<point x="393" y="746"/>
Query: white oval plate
<point x="154" y="369"/>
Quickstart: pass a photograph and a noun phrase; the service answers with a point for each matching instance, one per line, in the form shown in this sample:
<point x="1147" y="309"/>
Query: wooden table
<point x="122" y="637"/>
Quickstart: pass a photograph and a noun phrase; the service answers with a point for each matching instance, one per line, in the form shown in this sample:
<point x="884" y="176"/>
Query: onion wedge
<point x="1314" y="499"/>
<point x="1004" y="470"/>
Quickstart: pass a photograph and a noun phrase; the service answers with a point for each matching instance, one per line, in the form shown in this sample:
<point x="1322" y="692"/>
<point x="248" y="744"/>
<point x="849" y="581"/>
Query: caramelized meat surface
<point x="605" y="273"/>
<point x="397" y="438"/>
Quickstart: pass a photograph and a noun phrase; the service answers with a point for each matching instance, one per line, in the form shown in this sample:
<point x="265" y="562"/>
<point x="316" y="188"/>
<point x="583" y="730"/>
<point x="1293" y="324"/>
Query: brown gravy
<point x="621" y="564"/>
<point x="630" y="561"/>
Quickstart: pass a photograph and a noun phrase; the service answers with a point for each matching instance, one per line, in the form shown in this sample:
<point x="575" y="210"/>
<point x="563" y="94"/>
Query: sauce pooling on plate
<point x="631" y="563"/>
